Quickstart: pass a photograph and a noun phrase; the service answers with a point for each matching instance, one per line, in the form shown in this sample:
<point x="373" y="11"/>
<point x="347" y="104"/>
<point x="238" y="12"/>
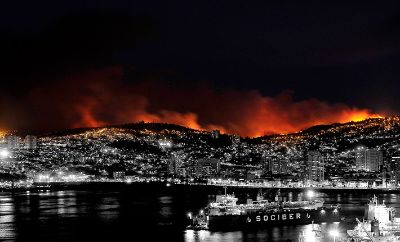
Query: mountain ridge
<point x="160" y="127"/>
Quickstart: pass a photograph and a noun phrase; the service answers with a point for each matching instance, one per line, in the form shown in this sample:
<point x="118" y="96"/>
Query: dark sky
<point x="338" y="52"/>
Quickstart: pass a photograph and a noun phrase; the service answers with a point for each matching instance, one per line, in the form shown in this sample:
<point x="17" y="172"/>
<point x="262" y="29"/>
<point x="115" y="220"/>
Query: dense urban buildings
<point x="368" y="159"/>
<point x="364" y="153"/>
<point x="276" y="165"/>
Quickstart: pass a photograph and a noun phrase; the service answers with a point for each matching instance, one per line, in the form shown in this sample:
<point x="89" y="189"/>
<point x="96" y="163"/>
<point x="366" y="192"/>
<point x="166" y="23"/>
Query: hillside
<point x="371" y="133"/>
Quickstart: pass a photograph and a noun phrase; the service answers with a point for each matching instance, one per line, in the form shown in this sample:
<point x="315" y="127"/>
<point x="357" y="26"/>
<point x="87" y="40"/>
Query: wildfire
<point x="3" y="133"/>
<point x="359" y="115"/>
<point x="101" y="98"/>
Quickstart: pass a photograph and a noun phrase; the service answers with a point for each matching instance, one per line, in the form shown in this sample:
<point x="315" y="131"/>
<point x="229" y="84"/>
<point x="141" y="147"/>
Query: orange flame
<point x="100" y="98"/>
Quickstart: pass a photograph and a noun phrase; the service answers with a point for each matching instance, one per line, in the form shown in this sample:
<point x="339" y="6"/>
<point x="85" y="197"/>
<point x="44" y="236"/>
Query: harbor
<point x="379" y="222"/>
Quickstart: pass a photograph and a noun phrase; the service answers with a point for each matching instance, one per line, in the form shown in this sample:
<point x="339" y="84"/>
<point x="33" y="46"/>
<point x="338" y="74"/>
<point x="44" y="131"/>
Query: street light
<point x="4" y="153"/>
<point x="334" y="233"/>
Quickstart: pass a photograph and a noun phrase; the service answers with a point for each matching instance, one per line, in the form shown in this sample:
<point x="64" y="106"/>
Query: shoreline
<point x="121" y="184"/>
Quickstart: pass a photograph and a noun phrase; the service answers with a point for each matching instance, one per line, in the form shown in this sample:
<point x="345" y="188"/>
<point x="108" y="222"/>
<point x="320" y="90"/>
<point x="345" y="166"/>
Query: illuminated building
<point x="165" y="144"/>
<point x="119" y="174"/>
<point x="181" y="171"/>
<point x="30" y="142"/>
<point x="315" y="166"/>
<point x="205" y="168"/>
<point x="275" y="165"/>
<point x="395" y="167"/>
<point x="173" y="165"/>
<point x="213" y="163"/>
<point x="253" y="174"/>
<point x="13" y="142"/>
<point x="368" y="159"/>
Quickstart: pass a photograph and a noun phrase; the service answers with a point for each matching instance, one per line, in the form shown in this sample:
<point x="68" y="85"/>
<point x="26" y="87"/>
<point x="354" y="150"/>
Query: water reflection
<point x="338" y="198"/>
<point x="66" y="203"/>
<point x="305" y="233"/>
<point x="165" y="203"/>
<point x="108" y="208"/>
<point x="7" y="216"/>
<point x="68" y="215"/>
<point x="203" y="235"/>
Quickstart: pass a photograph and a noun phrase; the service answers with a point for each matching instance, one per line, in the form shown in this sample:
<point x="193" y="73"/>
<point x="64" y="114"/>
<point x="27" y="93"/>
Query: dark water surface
<point x="150" y="212"/>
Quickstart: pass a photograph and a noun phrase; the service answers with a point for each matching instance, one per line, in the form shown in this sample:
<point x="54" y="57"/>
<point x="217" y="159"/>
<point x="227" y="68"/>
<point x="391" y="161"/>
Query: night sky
<point x="249" y="67"/>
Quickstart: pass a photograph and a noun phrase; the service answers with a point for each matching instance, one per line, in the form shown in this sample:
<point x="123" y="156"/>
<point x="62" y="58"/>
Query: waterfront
<point x="148" y="212"/>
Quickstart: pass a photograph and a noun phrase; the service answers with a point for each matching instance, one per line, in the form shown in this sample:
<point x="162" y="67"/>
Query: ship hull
<point x="268" y="218"/>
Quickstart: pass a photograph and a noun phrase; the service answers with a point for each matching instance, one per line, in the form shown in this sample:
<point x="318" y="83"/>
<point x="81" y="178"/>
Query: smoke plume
<point x="104" y="97"/>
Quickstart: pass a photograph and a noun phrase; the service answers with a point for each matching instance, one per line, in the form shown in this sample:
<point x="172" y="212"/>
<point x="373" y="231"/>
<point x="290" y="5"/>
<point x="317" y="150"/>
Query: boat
<point x="41" y="187"/>
<point x="379" y="224"/>
<point x="226" y="214"/>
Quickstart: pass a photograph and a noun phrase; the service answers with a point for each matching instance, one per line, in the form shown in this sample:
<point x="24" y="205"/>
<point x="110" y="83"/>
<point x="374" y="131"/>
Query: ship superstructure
<point x="380" y="224"/>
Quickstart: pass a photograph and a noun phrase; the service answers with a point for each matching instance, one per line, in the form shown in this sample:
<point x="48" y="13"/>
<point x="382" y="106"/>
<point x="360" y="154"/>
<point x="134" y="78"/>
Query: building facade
<point x="368" y="159"/>
<point x="276" y="165"/>
<point x="173" y="165"/>
<point x="395" y="167"/>
<point x="30" y="142"/>
<point x="315" y="167"/>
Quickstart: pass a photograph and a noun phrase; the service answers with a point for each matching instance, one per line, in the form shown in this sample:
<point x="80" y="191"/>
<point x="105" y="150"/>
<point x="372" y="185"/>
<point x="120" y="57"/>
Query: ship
<point x="226" y="214"/>
<point x="379" y="224"/>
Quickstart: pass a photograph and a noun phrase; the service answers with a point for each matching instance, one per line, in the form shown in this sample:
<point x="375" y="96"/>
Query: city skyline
<point x="195" y="121"/>
<point x="352" y="151"/>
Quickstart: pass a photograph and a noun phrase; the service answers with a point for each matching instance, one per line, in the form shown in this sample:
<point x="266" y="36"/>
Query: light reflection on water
<point x="108" y="208"/>
<point x="66" y="203"/>
<point x="309" y="233"/>
<point x="7" y="229"/>
<point x="203" y="235"/>
<point x="165" y="206"/>
<point x="67" y="215"/>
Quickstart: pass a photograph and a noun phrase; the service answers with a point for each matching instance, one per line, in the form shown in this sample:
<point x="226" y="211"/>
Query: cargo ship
<point x="379" y="224"/>
<point x="225" y="213"/>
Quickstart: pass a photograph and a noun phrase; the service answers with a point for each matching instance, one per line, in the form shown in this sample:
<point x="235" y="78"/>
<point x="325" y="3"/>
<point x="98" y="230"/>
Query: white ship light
<point x="323" y="211"/>
<point x="201" y="212"/>
<point x="189" y="215"/>
<point x="310" y="194"/>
